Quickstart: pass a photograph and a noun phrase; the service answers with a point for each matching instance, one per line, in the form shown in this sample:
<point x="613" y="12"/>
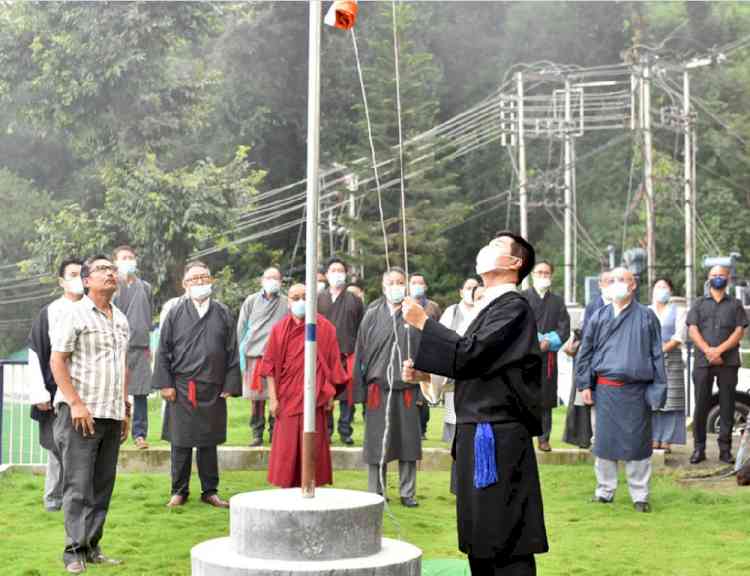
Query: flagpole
<point x="311" y="261"/>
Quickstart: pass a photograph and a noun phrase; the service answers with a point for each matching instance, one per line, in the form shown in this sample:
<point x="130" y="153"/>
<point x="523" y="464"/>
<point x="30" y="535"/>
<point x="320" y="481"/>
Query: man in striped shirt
<point x="89" y="364"/>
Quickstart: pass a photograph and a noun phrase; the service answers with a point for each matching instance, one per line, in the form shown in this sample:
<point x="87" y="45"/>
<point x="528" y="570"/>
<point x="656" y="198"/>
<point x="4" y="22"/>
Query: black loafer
<point x="409" y="502"/>
<point x="347" y="440"/>
<point x="600" y="500"/>
<point x="726" y="457"/>
<point x="642" y="507"/>
<point x="697" y="456"/>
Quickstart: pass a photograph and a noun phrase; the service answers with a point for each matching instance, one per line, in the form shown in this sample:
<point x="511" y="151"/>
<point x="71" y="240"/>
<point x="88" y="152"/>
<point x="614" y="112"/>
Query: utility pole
<point x="568" y="229"/>
<point x="647" y="167"/>
<point x="688" y="177"/>
<point x="331" y="235"/>
<point x="352" y="215"/>
<point x="522" y="191"/>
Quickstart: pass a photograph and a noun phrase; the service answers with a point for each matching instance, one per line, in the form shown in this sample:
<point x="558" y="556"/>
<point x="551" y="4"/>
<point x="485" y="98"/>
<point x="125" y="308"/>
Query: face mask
<point x="488" y="257"/>
<point x="298" y="308"/>
<point x="321" y="286"/>
<point x="618" y="291"/>
<point x="200" y="292"/>
<point x="395" y="294"/>
<point x="468" y="297"/>
<point x="74" y="285"/>
<point x="718" y="282"/>
<point x="662" y="295"/>
<point x="125" y="267"/>
<point x="271" y="285"/>
<point x="417" y="290"/>
<point x="542" y="283"/>
<point x="337" y="279"/>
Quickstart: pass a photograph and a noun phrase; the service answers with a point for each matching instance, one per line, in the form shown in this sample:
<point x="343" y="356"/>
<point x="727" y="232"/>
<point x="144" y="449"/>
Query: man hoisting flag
<point x="496" y="366"/>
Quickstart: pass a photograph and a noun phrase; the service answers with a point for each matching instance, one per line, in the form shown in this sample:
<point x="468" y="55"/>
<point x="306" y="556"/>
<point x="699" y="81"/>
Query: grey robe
<point x="372" y="357"/>
<point x="201" y="351"/>
<point x="626" y="349"/>
<point x="135" y="301"/>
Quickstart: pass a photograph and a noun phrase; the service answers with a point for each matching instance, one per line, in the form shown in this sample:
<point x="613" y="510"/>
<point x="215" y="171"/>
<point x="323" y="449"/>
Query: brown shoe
<point x="141" y="443"/>
<point x="544" y="446"/>
<point x="215" y="501"/>
<point x="176" y="500"/>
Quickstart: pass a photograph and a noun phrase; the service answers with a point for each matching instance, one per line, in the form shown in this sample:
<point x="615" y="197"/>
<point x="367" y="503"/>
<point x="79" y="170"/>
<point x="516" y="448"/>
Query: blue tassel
<point x="485" y="467"/>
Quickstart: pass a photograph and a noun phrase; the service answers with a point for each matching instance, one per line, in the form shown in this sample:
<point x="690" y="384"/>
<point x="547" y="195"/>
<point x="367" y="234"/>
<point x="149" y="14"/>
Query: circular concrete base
<point x="218" y="558"/>
<point x="281" y="524"/>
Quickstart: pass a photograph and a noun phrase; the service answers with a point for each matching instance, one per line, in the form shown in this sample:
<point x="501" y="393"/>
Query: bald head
<point x="296" y="292"/>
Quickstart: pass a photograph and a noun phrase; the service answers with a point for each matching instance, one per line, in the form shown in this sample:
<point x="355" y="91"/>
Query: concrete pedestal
<point x="278" y="532"/>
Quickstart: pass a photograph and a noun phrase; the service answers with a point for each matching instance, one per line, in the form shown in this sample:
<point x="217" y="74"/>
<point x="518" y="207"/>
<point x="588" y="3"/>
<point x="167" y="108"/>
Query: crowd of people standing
<point x="90" y="354"/>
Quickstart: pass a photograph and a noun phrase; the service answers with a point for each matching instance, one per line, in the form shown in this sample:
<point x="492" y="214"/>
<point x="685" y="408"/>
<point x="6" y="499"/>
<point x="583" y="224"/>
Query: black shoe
<point x="256" y="442"/>
<point x="409" y="502"/>
<point x="699" y="455"/>
<point x="347" y="440"/>
<point x="726" y="456"/>
<point x="99" y="558"/>
<point x="600" y="500"/>
<point x="642" y="507"/>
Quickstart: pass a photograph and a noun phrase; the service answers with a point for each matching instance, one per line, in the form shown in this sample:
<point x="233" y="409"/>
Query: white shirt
<point x="493" y="293"/>
<point x="202" y="307"/>
<point x="618" y="309"/>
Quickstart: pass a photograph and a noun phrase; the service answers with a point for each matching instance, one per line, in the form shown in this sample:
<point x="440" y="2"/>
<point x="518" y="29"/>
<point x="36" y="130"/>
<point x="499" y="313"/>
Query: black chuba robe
<point x="497" y="370"/>
<point x="199" y="357"/>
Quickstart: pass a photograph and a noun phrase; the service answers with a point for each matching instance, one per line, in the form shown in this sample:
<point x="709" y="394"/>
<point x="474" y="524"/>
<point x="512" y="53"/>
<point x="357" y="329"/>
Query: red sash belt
<point x="349" y="384"/>
<point x="192" y="394"/>
<point x="550" y="365"/>
<point x="373" y="396"/>
<point x="408" y="397"/>
<point x="255" y="383"/>
<point x="607" y="382"/>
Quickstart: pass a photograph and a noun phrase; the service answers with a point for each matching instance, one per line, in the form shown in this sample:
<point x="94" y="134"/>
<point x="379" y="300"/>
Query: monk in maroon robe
<point x="284" y="368"/>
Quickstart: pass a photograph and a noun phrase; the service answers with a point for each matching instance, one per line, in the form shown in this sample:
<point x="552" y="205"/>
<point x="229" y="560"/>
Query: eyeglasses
<point x="204" y="279"/>
<point x="102" y="268"/>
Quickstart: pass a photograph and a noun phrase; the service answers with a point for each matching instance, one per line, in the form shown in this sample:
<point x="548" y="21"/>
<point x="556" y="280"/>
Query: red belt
<point x="607" y="382"/>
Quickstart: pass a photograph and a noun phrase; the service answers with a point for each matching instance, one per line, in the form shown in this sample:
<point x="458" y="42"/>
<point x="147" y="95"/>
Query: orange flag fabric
<point x="342" y="14"/>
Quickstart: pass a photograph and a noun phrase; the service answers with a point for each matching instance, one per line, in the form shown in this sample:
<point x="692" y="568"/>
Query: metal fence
<point x="19" y="434"/>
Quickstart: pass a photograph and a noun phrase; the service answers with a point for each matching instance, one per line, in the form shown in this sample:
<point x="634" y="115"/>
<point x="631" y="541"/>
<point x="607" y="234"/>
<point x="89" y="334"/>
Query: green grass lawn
<point x="238" y="428"/>
<point x="698" y="530"/>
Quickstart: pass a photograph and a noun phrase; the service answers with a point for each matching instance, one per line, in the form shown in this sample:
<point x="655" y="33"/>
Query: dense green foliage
<point x="156" y="124"/>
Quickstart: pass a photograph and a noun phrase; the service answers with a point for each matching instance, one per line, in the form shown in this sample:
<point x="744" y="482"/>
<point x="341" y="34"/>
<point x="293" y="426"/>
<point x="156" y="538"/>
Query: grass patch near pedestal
<point x="693" y="530"/>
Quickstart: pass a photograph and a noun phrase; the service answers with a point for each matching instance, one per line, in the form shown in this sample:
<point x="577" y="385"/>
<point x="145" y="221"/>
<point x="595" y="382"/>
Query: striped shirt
<point x="98" y="348"/>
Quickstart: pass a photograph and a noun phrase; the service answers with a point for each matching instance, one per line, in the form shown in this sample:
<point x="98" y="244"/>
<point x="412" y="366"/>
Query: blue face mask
<point x="718" y="282"/>
<point x="662" y="295"/>
<point x="298" y="308"/>
<point x="417" y="290"/>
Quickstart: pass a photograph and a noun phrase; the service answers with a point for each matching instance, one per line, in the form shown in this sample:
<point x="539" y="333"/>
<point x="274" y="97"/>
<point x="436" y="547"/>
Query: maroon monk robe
<point x="284" y="361"/>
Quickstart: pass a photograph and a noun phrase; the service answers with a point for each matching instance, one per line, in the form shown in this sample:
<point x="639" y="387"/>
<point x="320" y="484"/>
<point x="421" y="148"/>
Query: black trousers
<point x="546" y="424"/>
<point x="258" y="420"/>
<point x="513" y="566"/>
<point x="89" y="469"/>
<point x="207" y="459"/>
<point x="346" y="415"/>
<point x="703" y="380"/>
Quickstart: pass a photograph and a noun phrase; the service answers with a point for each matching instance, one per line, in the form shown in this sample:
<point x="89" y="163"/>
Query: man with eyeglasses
<point x="89" y="365"/>
<point x="197" y="369"/>
<point x="716" y="322"/>
<point x="620" y="369"/>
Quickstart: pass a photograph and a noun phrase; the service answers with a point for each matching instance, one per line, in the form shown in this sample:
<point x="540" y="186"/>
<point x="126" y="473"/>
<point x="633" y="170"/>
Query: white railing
<point x="20" y="434"/>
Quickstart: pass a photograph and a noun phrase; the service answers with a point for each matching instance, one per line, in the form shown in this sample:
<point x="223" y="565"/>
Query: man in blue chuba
<point x="620" y="369"/>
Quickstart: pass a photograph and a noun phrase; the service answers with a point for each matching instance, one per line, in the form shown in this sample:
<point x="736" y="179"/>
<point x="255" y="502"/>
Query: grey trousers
<point x="53" y="480"/>
<point x="89" y="470"/>
<point x="407" y="475"/>
<point x="638" y="473"/>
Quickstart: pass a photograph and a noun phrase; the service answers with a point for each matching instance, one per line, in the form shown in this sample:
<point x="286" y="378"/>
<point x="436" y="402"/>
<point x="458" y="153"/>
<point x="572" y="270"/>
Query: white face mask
<point x="271" y="285"/>
<point x="619" y="291"/>
<point x="200" y="292"/>
<point x="74" y="286"/>
<point x="541" y="283"/>
<point x="298" y="308"/>
<point x="488" y="258"/>
<point x="468" y="297"/>
<point x="321" y="286"/>
<point x="395" y="293"/>
<point x="126" y="267"/>
<point x="337" y="279"/>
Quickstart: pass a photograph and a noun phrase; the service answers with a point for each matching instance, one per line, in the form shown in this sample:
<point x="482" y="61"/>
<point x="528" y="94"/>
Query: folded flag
<point x="342" y="14"/>
<point x="485" y="466"/>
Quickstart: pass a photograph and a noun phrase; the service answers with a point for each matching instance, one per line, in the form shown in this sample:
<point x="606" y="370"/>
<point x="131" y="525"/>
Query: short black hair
<point x="336" y="260"/>
<point x="122" y="248"/>
<point x="548" y="263"/>
<point x="664" y="279"/>
<point x="413" y="274"/>
<point x="86" y="267"/>
<point x="522" y="249"/>
<point x="395" y="269"/>
<point x="68" y="262"/>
